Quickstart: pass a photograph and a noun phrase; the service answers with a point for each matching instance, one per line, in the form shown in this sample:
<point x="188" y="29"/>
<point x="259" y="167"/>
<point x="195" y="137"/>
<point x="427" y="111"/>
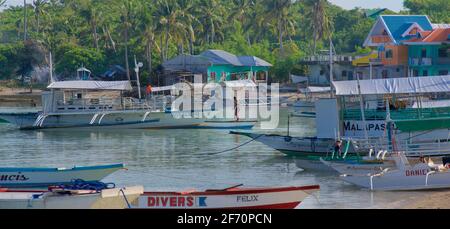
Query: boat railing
<point x="438" y="147"/>
<point x="398" y="114"/>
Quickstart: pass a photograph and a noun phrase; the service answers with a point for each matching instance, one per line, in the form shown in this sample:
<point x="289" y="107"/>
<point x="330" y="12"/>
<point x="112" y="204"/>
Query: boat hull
<point x="106" y="199"/>
<point x="415" y="178"/>
<point x="356" y="168"/>
<point x="38" y="177"/>
<point x="262" y="198"/>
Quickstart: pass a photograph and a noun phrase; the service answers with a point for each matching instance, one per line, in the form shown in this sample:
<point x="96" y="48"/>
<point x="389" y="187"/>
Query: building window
<point x="322" y="72"/>
<point x="425" y="73"/>
<point x="384" y="74"/>
<point x="443" y="72"/>
<point x="389" y="54"/>
<point x="398" y="69"/>
<point x="350" y="75"/>
<point x="444" y="51"/>
<point x="212" y="76"/>
<point x="423" y="53"/>
<point x="344" y="73"/>
<point x="415" y="72"/>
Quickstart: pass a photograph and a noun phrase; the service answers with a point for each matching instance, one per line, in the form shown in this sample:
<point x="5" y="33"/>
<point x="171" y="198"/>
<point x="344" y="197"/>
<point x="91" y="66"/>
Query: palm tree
<point x="242" y="12"/>
<point x="92" y="14"/>
<point x="38" y="11"/>
<point x="166" y="13"/>
<point x="319" y="20"/>
<point x="211" y="17"/>
<point x="279" y="13"/>
<point x="126" y="8"/>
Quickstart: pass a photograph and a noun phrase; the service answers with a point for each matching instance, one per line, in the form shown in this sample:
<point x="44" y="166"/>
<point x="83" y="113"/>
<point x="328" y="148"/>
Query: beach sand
<point x="434" y="200"/>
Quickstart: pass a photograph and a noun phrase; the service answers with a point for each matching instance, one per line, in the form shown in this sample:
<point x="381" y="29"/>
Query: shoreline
<point x="435" y="200"/>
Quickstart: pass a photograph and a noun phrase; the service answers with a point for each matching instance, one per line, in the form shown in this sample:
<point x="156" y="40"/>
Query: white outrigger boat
<point x="230" y="198"/>
<point x="404" y="176"/>
<point x="44" y="177"/>
<point x="111" y="198"/>
<point x="94" y="104"/>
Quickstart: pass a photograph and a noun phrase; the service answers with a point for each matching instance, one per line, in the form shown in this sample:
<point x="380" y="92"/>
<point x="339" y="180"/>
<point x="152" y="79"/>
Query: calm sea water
<point x="181" y="159"/>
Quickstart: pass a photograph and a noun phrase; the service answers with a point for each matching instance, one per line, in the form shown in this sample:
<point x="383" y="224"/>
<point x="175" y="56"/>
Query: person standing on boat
<point x="236" y="113"/>
<point x="148" y="90"/>
<point x="337" y="148"/>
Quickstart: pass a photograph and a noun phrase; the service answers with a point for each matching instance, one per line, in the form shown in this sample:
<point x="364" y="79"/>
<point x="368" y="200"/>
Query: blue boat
<point x="44" y="177"/>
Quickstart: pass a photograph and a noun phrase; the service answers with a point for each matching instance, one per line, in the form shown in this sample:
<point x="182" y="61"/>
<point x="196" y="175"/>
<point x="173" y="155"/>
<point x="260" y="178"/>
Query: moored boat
<point x="44" y="177"/>
<point x="230" y="198"/>
<point x="404" y="176"/>
<point x="114" y="198"/>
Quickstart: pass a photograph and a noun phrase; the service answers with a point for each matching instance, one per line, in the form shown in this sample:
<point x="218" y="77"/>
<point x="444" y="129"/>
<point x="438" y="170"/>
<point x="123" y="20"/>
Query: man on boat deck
<point x="236" y="115"/>
<point x="148" y="90"/>
<point x="337" y="148"/>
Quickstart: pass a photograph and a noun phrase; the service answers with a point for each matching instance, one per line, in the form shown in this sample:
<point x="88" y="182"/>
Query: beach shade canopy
<point x="92" y="85"/>
<point x="315" y="89"/>
<point x="410" y="85"/>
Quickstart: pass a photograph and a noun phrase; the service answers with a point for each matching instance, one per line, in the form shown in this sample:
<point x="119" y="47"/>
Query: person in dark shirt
<point x="338" y="148"/>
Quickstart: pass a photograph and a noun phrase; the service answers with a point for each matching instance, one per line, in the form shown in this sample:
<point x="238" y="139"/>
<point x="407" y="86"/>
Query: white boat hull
<point x="106" y="199"/>
<point x="415" y="178"/>
<point x="355" y="168"/>
<point x="275" y="198"/>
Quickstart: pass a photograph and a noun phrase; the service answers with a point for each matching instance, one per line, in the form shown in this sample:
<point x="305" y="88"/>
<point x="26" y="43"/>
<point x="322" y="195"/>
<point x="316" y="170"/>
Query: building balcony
<point x="420" y="61"/>
<point x="443" y="60"/>
<point x="376" y="61"/>
<point x="326" y="59"/>
<point x="381" y="39"/>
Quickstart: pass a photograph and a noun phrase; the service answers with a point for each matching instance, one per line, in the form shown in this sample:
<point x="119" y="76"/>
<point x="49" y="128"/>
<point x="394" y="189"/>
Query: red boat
<point x="230" y="198"/>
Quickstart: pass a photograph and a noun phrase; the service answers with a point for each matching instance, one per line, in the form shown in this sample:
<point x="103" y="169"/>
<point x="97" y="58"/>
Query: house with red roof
<point x="429" y="52"/>
<point x="408" y="45"/>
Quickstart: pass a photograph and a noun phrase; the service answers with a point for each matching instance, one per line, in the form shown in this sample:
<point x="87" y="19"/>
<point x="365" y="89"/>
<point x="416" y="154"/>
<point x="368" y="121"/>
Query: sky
<point x="394" y="5"/>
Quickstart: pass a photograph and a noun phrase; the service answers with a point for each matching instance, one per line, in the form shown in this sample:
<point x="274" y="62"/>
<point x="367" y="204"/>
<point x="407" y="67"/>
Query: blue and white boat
<point x="44" y="177"/>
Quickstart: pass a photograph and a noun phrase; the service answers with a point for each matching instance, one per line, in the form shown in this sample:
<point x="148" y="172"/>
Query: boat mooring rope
<point x="236" y="147"/>
<point x="79" y="184"/>
<point x="125" y="197"/>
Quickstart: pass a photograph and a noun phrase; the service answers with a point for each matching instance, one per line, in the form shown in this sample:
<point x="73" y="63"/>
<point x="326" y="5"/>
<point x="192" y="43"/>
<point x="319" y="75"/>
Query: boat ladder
<point x="145" y="116"/>
<point x="94" y="118"/>
<point x="40" y="120"/>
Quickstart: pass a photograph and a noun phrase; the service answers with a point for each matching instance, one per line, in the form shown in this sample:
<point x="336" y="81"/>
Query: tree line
<point x="101" y="33"/>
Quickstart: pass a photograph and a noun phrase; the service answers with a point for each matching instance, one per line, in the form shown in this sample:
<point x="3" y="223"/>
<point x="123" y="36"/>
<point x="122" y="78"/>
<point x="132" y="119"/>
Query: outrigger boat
<point x="230" y="198"/>
<point x="60" y="198"/>
<point x="44" y="177"/>
<point x="404" y="176"/>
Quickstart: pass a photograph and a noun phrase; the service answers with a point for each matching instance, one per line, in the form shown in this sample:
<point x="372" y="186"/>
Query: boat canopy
<point x="411" y="85"/>
<point x="92" y="85"/>
<point x="239" y="84"/>
<point x="315" y="90"/>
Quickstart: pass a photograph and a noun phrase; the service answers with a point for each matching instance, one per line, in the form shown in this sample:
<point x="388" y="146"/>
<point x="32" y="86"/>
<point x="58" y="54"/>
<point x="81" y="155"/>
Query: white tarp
<point x="414" y="85"/>
<point x="239" y="83"/>
<point x="299" y="79"/>
<point x="432" y="104"/>
<point x="315" y="90"/>
<point x="92" y="85"/>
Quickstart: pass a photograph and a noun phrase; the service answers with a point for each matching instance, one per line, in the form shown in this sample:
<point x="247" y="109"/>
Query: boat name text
<point x="16" y="177"/>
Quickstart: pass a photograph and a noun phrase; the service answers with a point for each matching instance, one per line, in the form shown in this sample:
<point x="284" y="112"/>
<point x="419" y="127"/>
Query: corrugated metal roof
<point x="221" y="57"/>
<point x="253" y="61"/>
<point x="92" y="85"/>
<point x="398" y="24"/>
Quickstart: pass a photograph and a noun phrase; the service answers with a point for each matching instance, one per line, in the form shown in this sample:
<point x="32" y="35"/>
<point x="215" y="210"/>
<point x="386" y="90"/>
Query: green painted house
<point x="218" y="66"/>
<point x="429" y="52"/>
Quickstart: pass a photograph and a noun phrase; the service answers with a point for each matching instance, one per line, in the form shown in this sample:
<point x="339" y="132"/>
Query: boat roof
<point x="92" y="85"/>
<point x="410" y="85"/>
<point x="312" y="89"/>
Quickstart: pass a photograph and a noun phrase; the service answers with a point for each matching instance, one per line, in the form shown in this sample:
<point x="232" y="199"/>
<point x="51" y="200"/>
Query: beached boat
<point x="294" y="146"/>
<point x="404" y="176"/>
<point x="230" y="198"/>
<point x="44" y="177"/>
<point x="114" y="198"/>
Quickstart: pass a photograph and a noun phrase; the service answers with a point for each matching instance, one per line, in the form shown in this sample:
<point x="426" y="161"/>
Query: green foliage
<point x="98" y="34"/>
<point x="437" y="10"/>
<point x="73" y="57"/>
